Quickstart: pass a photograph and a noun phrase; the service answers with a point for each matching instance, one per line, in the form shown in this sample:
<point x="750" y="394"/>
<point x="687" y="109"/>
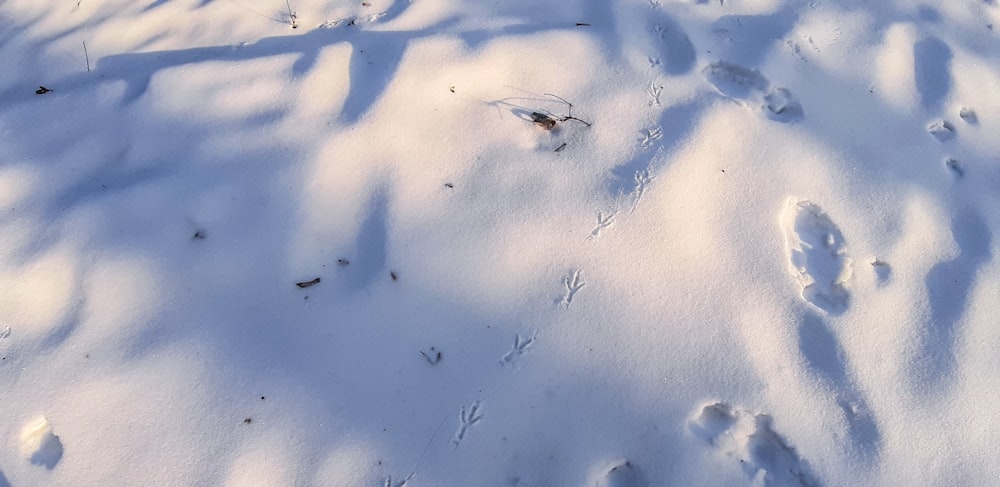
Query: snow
<point x="38" y="444"/>
<point x="758" y="249"/>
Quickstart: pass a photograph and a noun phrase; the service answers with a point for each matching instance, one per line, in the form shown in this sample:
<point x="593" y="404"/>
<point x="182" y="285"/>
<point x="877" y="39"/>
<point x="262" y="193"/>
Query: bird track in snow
<point x="573" y="283"/>
<point x="521" y="347"/>
<point x="642" y="181"/>
<point x="467" y="418"/>
<point x="604" y="220"/>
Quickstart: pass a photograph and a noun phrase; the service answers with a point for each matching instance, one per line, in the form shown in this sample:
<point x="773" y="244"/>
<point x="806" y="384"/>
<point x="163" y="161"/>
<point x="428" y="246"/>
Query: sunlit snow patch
<point x="38" y="444"/>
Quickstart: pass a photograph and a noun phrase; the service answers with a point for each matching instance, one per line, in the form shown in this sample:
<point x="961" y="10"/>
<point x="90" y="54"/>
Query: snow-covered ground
<point x="383" y="249"/>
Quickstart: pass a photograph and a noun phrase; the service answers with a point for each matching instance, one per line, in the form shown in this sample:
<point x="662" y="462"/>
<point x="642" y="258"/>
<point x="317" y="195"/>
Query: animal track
<point x="603" y="221"/>
<point x="574" y="283"/>
<point x="671" y="45"/>
<point x="750" y="438"/>
<point x="434" y="357"/>
<point x="4" y="332"/>
<point x="329" y="24"/>
<point x="882" y="271"/>
<point x="796" y="50"/>
<point x="642" y="181"/>
<point x="467" y="417"/>
<point x="748" y="87"/>
<point x="955" y="167"/>
<point x="521" y="347"/>
<point x="654" y="92"/>
<point x="714" y="420"/>
<point x="624" y="474"/>
<point x="818" y="255"/>
<point x="942" y="130"/>
<point x="782" y="105"/>
<point x="969" y="115"/>
<point x="796" y="47"/>
<point x="399" y="483"/>
<point x="649" y="136"/>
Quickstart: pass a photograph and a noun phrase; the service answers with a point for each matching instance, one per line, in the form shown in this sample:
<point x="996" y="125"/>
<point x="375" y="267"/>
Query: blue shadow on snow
<point x="948" y="286"/>
<point x="932" y="72"/>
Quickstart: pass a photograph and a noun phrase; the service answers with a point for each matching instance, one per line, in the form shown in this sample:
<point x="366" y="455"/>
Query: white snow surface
<point x="770" y="259"/>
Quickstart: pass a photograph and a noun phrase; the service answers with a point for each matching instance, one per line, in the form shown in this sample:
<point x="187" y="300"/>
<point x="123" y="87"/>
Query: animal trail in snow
<point x="521" y="347"/>
<point x="467" y="418"/>
<point x="649" y="136"/>
<point x="942" y="130"/>
<point x="573" y="283"/>
<point x="796" y="47"/>
<point x="882" y="271"/>
<point x="642" y="182"/>
<point x="604" y="220"/>
<point x="389" y="482"/>
<point x="654" y="90"/>
<point x="955" y="167"/>
<point x="672" y="45"/>
<point x="624" y="474"/>
<point x="818" y="255"/>
<point x="751" y="439"/>
<point x="796" y="50"/>
<point x="750" y="88"/>
<point x="968" y="115"/>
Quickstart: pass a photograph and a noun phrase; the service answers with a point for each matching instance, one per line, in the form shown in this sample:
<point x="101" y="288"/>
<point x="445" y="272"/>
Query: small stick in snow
<point x="86" y="56"/>
<point x="306" y="284"/>
<point x="402" y="483"/>
<point x="42" y="90"/>
<point x="549" y="121"/>
<point x="292" y="18"/>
